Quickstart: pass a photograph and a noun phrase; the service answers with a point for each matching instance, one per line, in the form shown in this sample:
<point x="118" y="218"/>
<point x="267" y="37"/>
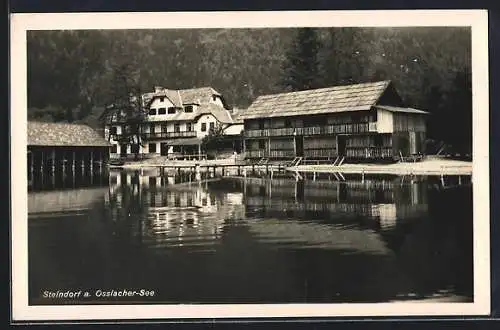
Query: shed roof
<point x="63" y="134"/>
<point x="317" y="101"/>
<point x="186" y="141"/>
<point x="401" y="109"/>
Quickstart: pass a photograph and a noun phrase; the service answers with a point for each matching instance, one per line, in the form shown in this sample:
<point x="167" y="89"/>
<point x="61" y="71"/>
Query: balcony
<point x="168" y="135"/>
<point x="256" y="154"/>
<point x="158" y="135"/>
<point x="313" y="130"/>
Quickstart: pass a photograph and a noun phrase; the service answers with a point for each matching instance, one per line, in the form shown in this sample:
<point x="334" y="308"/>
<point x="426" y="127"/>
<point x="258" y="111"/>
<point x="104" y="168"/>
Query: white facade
<point x="166" y="122"/>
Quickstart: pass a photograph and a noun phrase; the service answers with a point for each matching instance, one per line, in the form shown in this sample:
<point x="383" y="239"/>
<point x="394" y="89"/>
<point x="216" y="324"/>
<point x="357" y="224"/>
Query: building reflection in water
<point x="396" y="236"/>
<point x="319" y="211"/>
<point x="52" y="195"/>
<point x="174" y="210"/>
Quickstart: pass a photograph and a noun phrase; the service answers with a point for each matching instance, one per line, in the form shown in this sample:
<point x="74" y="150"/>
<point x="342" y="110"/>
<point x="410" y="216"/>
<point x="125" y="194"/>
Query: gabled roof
<point x="200" y="95"/>
<point x="182" y="97"/>
<point x="62" y="134"/>
<point x="401" y="109"/>
<point x="317" y="101"/>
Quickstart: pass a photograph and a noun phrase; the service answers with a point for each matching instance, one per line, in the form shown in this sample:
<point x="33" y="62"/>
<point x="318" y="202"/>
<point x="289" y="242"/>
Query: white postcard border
<point x="20" y="23"/>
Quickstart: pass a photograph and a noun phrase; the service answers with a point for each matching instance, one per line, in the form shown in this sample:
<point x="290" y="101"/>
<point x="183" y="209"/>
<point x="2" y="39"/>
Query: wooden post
<point x="63" y="162"/>
<point x="295" y="146"/>
<point x="101" y="161"/>
<point x="223" y="170"/>
<point x="73" y="160"/>
<point x="82" y="164"/>
<point x="459" y="180"/>
<point x="92" y="162"/>
<point x="53" y="161"/>
<point x="268" y="147"/>
<point x="32" y="163"/>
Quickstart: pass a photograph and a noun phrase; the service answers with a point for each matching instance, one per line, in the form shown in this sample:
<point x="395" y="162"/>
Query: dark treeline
<point x="71" y="74"/>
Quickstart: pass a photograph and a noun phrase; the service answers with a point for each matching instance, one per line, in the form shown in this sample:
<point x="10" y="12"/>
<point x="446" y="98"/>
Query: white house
<point x="176" y="122"/>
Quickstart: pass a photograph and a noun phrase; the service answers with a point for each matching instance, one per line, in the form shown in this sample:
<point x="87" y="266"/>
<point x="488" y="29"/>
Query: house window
<point x="262" y="144"/>
<point x="203" y="127"/>
<point x="134" y="149"/>
<point x="176" y="149"/>
<point x="188" y="108"/>
<point x="171" y="110"/>
<point x="164" y="128"/>
<point x="189" y="127"/>
<point x="113" y="129"/>
<point x="162" y="111"/>
<point x="214" y="97"/>
<point x="114" y="149"/>
<point x="212" y="126"/>
<point x="162" y="99"/>
<point x="152" y="112"/>
<point x="152" y="128"/>
<point x="152" y="148"/>
<point x="177" y="127"/>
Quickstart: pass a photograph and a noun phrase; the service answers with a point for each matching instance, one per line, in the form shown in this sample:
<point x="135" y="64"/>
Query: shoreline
<point x="395" y="169"/>
<point x="425" y="167"/>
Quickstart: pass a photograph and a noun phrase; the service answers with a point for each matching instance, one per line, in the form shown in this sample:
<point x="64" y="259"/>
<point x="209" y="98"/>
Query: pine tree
<point x="301" y="64"/>
<point x="459" y="110"/>
<point x="125" y="102"/>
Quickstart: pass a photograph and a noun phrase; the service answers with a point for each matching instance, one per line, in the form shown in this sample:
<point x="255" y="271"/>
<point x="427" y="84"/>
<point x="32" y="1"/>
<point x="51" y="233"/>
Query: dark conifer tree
<point x="126" y="102"/>
<point x="301" y="65"/>
<point x="459" y="113"/>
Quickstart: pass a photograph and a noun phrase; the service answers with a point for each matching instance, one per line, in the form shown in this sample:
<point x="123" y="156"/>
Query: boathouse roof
<point x="357" y="97"/>
<point x="64" y="134"/>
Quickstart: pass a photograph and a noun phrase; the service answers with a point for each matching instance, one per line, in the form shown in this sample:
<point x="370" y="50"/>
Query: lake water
<point x="311" y="238"/>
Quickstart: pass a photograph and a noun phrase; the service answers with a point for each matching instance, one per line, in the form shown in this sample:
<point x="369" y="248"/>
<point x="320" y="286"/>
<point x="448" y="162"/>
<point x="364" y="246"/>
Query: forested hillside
<point x="70" y="73"/>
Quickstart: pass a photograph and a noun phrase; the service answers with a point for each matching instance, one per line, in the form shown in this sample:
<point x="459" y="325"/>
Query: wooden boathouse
<point x="62" y="148"/>
<point x="358" y="122"/>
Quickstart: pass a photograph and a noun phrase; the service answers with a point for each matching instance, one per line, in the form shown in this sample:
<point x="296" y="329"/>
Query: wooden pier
<point x="223" y="169"/>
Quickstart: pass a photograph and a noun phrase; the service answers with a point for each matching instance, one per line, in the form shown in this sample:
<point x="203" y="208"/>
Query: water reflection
<point x="302" y="238"/>
<point x="333" y="214"/>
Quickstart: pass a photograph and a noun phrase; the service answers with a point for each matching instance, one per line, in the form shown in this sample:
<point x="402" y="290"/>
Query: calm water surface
<point x="204" y="239"/>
